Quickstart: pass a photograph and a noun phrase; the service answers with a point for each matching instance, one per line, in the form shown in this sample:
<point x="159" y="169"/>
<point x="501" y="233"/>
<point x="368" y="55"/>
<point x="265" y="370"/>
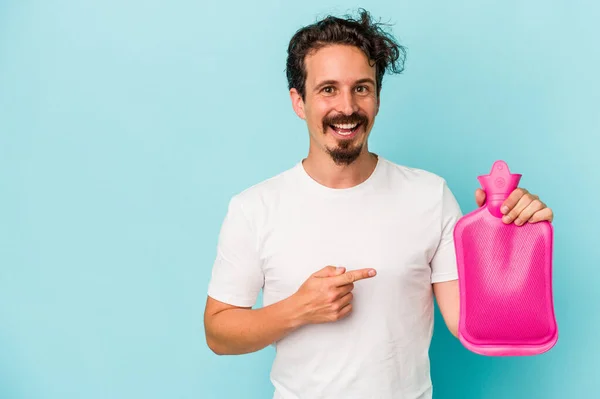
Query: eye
<point x="362" y="89"/>
<point x="328" y="89"/>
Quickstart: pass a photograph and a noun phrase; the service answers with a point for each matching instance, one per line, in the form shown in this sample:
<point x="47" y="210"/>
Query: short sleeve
<point x="443" y="263"/>
<point x="237" y="275"/>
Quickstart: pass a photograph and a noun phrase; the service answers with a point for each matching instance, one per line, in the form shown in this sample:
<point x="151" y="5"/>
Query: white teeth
<point x="346" y="126"/>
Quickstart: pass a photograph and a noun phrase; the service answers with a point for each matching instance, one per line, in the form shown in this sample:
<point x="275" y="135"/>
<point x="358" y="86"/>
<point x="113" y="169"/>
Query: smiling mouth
<point x="345" y="129"/>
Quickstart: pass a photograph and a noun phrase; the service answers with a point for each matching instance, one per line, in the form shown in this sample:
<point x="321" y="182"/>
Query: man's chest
<point x="397" y="241"/>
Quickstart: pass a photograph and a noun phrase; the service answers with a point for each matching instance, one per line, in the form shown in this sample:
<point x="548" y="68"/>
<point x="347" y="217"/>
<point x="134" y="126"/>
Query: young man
<point x="348" y="247"/>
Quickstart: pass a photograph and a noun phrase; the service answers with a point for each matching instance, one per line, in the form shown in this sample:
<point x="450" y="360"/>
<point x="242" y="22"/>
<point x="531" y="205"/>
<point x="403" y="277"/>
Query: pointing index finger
<point x="354" y="275"/>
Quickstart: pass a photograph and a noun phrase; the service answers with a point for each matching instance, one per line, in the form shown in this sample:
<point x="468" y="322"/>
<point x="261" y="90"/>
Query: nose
<point x="348" y="103"/>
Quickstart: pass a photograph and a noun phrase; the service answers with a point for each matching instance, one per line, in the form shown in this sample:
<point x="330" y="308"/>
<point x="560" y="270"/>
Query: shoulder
<point x="413" y="178"/>
<point x="256" y="198"/>
<point x="423" y="188"/>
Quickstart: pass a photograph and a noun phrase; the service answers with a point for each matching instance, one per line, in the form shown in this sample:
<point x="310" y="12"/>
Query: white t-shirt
<point x="398" y="221"/>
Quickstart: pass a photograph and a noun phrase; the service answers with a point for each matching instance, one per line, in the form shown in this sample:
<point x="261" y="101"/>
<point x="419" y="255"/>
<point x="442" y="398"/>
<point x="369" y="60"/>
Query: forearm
<point x="238" y="331"/>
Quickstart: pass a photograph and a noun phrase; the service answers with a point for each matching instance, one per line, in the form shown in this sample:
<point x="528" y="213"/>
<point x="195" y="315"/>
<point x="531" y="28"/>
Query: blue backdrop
<point x="125" y="127"/>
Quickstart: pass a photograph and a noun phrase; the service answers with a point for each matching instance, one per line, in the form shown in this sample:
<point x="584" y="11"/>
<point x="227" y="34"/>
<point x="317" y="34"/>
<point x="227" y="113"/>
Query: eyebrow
<point x="334" y="82"/>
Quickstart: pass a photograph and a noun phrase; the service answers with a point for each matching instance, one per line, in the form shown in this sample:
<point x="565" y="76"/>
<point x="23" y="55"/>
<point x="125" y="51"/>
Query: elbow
<point x="217" y="351"/>
<point x="212" y="343"/>
<point x="214" y="346"/>
<point x="211" y="340"/>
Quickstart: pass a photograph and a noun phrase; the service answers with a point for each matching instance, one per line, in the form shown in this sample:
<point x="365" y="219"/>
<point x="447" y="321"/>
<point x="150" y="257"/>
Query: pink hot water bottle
<point x="505" y="276"/>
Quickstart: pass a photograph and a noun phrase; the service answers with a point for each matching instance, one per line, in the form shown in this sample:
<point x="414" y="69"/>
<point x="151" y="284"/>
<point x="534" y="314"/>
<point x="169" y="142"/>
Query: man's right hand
<point x="324" y="297"/>
<point x="327" y="294"/>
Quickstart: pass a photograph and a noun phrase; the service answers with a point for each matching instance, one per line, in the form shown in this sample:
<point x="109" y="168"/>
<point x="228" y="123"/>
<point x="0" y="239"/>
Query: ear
<point x="297" y="103"/>
<point x="378" y="102"/>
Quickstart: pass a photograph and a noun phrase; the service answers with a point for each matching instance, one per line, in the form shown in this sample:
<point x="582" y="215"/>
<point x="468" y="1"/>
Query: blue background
<point x="125" y="127"/>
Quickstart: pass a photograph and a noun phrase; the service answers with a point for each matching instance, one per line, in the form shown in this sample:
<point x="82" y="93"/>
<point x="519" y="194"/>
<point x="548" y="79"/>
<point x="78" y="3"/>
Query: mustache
<point x="355" y="117"/>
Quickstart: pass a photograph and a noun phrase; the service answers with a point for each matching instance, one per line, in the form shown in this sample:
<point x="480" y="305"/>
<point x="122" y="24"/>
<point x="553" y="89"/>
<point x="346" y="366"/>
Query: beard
<point x="346" y="151"/>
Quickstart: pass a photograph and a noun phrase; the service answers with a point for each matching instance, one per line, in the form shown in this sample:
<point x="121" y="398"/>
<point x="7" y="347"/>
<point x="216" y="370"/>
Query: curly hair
<point x="380" y="47"/>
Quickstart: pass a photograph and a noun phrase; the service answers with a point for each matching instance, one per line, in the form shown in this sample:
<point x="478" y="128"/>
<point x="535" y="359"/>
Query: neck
<point x="325" y="171"/>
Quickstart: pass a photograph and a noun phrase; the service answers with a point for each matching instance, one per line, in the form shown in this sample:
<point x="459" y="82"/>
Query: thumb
<point x="329" y="271"/>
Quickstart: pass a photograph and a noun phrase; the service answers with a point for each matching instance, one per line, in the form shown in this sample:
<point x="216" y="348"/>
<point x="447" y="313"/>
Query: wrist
<point x="293" y="312"/>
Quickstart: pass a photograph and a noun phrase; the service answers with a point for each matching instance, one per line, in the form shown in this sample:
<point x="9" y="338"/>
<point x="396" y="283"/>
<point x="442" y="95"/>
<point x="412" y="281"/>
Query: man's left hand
<point x="521" y="207"/>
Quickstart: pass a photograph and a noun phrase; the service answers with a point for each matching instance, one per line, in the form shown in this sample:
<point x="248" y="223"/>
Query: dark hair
<point x="379" y="46"/>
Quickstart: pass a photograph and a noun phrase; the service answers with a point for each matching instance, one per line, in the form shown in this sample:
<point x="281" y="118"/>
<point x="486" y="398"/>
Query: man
<point x="348" y="247"/>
